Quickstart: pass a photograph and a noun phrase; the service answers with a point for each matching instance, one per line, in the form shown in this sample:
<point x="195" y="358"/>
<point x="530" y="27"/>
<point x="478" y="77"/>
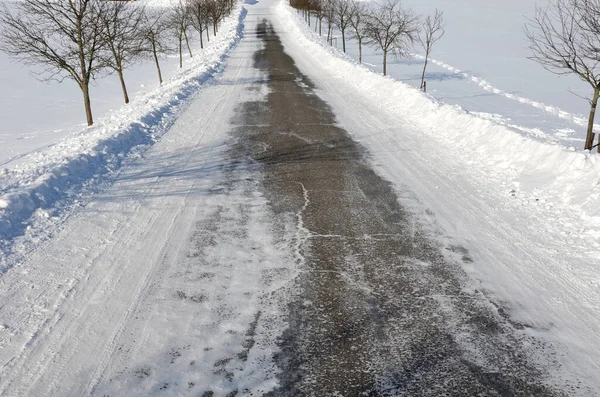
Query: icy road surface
<point x="254" y="250"/>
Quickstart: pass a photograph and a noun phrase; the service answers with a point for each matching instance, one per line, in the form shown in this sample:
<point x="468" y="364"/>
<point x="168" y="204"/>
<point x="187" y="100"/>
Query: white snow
<point x="37" y="114"/>
<point x="121" y="301"/>
<point x="481" y="65"/>
<point x="490" y="160"/>
<point x="50" y="170"/>
<point x="524" y="205"/>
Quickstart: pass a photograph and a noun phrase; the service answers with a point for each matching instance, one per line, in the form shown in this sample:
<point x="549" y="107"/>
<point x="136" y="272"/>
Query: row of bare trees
<point x="387" y="26"/>
<point x="563" y="36"/>
<point x="81" y="40"/>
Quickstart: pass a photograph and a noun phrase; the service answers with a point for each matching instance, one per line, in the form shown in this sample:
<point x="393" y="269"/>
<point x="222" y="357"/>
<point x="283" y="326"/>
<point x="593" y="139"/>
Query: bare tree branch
<point x="433" y="29"/>
<point x="122" y="24"/>
<point x="153" y="34"/>
<point x="564" y="38"/>
<point x="64" y="37"/>
<point x="392" y="28"/>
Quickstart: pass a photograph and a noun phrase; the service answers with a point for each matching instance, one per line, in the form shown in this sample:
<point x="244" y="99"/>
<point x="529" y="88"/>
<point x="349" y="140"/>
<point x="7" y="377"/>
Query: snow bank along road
<point x="254" y="250"/>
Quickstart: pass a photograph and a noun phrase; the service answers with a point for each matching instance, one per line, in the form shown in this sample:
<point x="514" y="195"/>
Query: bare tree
<point x="357" y="22"/>
<point x="200" y="17"/>
<point x="122" y="23"/>
<point x="217" y="9"/>
<point x="188" y="28"/>
<point x="564" y="38"/>
<point x="179" y="21"/>
<point x="391" y="28"/>
<point x="327" y="9"/>
<point x="317" y="8"/>
<point x="343" y="11"/>
<point x="153" y="34"/>
<point x="433" y="29"/>
<point x="63" y="36"/>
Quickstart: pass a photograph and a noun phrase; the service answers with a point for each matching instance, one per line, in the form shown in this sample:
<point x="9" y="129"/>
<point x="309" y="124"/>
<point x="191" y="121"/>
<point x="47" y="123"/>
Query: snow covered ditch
<point x="41" y="185"/>
<point x="534" y="170"/>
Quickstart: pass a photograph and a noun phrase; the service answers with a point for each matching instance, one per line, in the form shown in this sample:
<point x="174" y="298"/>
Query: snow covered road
<point x="257" y="248"/>
<point x="140" y="285"/>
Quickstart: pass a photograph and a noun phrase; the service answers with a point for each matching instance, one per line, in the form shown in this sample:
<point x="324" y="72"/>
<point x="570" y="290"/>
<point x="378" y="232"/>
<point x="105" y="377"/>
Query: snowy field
<point x="481" y="65"/>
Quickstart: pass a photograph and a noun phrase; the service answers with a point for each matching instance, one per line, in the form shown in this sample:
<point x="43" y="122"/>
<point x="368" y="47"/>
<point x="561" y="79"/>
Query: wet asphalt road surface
<point x="380" y="309"/>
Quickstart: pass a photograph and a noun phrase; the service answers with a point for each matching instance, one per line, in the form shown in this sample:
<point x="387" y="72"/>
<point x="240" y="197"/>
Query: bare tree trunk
<point x="385" y="63"/>
<point x="201" y="42"/>
<point x="320" y="26"/>
<point x="180" y="52"/>
<point x="160" y="79"/>
<point x="589" y="141"/>
<point x="360" y="50"/>
<point x="85" y="89"/>
<point x="344" y="41"/>
<point x="214" y="29"/>
<point x="424" y="67"/>
<point x="123" y="86"/>
<point x="207" y="34"/>
<point x="187" y="43"/>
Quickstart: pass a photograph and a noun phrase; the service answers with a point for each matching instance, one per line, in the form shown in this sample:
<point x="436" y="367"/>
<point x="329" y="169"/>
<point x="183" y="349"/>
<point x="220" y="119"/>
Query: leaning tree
<point x="432" y="31"/>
